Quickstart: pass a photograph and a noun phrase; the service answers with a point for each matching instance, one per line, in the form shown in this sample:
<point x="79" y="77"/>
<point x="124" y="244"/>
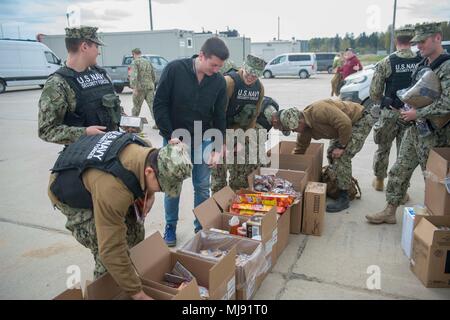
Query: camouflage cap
<point x="406" y="31"/>
<point x="84" y="33"/>
<point x="254" y="65"/>
<point x="174" y="165"/>
<point x="136" y="51"/>
<point x="289" y="118"/>
<point x="425" y="30"/>
<point x="268" y="112"/>
<point x="227" y="66"/>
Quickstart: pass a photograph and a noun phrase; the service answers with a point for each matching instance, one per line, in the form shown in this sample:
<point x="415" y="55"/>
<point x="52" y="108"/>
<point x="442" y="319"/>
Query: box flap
<point x="208" y="214"/>
<point x="222" y="270"/>
<point x="70" y="294"/>
<point x="438" y="162"/>
<point x="424" y="231"/>
<point x="103" y="288"/>
<point x="190" y="292"/>
<point x="224" y="197"/>
<point x="148" y="253"/>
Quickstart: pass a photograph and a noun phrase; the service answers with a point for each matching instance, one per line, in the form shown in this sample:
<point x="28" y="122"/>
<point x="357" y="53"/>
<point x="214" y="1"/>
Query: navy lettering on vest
<point x="242" y="95"/>
<point x="100" y="152"/>
<point x="400" y="78"/>
<point x="89" y="86"/>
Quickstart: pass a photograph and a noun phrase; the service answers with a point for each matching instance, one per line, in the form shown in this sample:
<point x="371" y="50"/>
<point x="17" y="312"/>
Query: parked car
<point x="120" y="75"/>
<point x="292" y="64"/>
<point x="325" y="61"/>
<point x="25" y="63"/>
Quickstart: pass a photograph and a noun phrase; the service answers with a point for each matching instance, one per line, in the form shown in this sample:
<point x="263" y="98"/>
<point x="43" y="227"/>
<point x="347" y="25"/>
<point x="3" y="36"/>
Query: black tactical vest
<point x="242" y="96"/>
<point x="433" y="66"/>
<point x="262" y="120"/>
<point x="90" y="87"/>
<point x="99" y="152"/>
<point x="400" y="78"/>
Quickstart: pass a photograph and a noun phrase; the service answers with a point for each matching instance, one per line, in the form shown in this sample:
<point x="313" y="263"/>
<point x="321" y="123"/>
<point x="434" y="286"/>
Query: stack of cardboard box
<point x="430" y="254"/>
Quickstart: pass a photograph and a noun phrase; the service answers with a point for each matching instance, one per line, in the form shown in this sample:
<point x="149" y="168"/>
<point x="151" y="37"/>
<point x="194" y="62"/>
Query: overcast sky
<point x="256" y="19"/>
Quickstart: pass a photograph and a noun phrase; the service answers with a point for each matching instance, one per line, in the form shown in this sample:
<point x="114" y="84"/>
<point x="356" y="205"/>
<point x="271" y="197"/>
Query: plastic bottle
<point x="234" y="225"/>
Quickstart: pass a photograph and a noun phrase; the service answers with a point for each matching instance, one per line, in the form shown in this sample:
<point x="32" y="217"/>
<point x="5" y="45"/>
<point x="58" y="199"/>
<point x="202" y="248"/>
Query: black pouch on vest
<point x="69" y="185"/>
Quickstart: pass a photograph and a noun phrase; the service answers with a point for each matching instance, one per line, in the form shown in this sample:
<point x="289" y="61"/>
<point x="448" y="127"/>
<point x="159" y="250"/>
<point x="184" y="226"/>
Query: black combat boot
<point x="341" y="203"/>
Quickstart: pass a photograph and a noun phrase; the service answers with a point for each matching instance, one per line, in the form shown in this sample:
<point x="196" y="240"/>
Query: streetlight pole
<point x="151" y="15"/>
<point x="393" y="27"/>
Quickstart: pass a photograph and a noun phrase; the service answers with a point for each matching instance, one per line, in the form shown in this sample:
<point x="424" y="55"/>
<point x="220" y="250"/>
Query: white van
<point x="302" y="64"/>
<point x="25" y="62"/>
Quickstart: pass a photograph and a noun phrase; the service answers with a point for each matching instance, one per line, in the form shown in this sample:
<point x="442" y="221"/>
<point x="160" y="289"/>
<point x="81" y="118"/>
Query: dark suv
<point x="325" y="61"/>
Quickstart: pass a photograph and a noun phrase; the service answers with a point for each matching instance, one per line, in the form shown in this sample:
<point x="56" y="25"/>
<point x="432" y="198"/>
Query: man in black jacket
<point x="192" y="90"/>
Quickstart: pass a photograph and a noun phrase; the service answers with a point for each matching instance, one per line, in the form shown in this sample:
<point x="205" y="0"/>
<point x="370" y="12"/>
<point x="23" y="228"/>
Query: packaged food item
<point x="242" y="231"/>
<point x="254" y="227"/>
<point x="234" y="225"/>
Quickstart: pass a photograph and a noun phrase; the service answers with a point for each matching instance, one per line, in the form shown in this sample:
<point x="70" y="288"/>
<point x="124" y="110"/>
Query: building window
<point x="189" y="42"/>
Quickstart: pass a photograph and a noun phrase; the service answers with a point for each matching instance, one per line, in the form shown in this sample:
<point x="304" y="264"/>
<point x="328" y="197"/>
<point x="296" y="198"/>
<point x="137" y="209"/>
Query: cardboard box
<point x="311" y="161"/>
<point x="430" y="259"/>
<point x="314" y="208"/>
<point x="152" y="259"/>
<point x="437" y="198"/>
<point x="299" y="179"/>
<point x="213" y="213"/>
<point x="105" y="288"/>
<point x="247" y="274"/>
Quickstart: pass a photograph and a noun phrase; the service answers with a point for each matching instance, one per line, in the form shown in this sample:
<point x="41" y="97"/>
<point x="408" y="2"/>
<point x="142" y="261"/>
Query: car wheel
<point x="2" y="86"/>
<point x="118" y="89"/>
<point x="303" y="74"/>
<point x="267" y="74"/>
<point x="330" y="70"/>
<point x="41" y="86"/>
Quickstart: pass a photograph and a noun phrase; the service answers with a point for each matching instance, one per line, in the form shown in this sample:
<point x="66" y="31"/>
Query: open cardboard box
<point x="430" y="260"/>
<point x="437" y="198"/>
<point x="250" y="275"/>
<point x="105" y="288"/>
<point x="211" y="215"/>
<point x="299" y="179"/>
<point x="310" y="162"/>
<point x="70" y="294"/>
<point x="152" y="259"/>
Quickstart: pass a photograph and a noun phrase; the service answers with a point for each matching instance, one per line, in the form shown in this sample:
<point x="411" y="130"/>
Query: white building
<point x="269" y="50"/>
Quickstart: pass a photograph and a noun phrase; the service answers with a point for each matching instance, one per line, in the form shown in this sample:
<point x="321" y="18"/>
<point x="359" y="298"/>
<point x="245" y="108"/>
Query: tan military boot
<point x="405" y="199"/>
<point x="385" y="216"/>
<point x="378" y="184"/>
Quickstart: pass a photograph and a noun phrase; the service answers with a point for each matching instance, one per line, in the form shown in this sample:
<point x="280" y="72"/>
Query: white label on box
<point x="231" y="287"/>
<point x="251" y="287"/>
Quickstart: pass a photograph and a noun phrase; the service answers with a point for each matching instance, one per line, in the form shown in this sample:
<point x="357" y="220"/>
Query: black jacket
<point x="180" y="100"/>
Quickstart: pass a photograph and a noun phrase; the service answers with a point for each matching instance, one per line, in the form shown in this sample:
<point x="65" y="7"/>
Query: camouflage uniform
<point x="58" y="98"/>
<point x="142" y="80"/>
<point x="290" y="118"/>
<point x="415" y="149"/>
<point x="82" y="225"/>
<point x="343" y="165"/>
<point x="387" y="127"/>
<point x="239" y="172"/>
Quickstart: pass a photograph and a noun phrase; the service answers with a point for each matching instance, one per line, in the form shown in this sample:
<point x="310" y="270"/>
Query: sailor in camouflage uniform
<point x="79" y="98"/>
<point x="142" y="80"/>
<point x="392" y="73"/>
<point x="431" y="124"/>
<point x="96" y="204"/>
<point x="245" y="93"/>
